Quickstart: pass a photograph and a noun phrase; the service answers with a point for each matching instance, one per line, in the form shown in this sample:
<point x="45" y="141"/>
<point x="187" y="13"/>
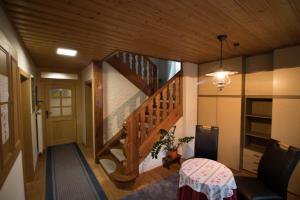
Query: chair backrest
<point x="276" y="167"/>
<point x="206" y="142"/>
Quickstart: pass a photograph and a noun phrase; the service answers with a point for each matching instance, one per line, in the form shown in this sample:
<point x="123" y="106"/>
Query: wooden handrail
<point x="161" y="110"/>
<point x="149" y="117"/>
<point x="141" y="67"/>
<point x="146" y="57"/>
<point x="178" y="74"/>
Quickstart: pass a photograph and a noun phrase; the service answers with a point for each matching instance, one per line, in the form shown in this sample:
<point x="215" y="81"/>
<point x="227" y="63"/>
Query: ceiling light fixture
<point x="66" y="52"/>
<point x="221" y="77"/>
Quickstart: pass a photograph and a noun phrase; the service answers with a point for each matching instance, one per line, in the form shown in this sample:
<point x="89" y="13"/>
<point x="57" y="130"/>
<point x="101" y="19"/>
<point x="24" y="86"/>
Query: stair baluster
<point x="165" y="102"/>
<point x="157" y="112"/>
<point x="142" y="126"/>
<point x="161" y="110"/>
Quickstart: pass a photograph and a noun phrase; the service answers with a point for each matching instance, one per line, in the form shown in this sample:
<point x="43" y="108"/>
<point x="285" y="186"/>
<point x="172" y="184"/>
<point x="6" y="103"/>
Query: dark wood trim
<point x="98" y="107"/>
<point x="243" y="105"/>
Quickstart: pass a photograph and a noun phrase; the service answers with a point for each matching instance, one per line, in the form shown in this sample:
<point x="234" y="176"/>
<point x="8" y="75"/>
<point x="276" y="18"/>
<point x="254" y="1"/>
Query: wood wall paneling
<point x="167" y="29"/>
<point x="98" y="106"/>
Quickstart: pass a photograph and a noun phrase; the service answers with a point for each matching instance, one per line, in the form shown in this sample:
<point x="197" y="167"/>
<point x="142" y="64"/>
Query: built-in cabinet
<point x="257" y="109"/>
<point x="262" y="104"/>
<point x="286" y="103"/>
<point x="251" y="159"/>
<point x="258" y="122"/>
<point x="257" y="130"/>
<point x="222" y="109"/>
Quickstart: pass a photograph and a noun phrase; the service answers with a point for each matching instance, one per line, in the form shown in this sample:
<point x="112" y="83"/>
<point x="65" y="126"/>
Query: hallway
<point x="36" y="188"/>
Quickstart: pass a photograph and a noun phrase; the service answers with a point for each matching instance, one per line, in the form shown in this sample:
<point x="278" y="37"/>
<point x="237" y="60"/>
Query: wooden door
<point x="60" y="114"/>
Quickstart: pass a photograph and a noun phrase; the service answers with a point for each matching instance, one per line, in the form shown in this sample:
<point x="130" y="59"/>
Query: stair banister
<point x="137" y="133"/>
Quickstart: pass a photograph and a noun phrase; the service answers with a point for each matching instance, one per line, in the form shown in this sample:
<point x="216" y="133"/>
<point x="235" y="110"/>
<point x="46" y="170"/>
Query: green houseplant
<point x="168" y="143"/>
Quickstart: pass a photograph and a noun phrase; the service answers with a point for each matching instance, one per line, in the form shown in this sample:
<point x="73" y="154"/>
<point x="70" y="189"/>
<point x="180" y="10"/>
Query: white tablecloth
<point x="212" y="178"/>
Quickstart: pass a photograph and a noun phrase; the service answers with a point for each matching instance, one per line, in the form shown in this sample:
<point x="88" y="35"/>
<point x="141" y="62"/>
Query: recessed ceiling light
<point x="66" y="52"/>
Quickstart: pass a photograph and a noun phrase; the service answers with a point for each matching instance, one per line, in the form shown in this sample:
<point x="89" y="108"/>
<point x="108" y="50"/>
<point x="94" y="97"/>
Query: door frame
<point x="26" y="125"/>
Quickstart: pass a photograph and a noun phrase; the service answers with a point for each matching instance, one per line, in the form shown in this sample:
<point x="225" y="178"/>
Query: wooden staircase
<point x="138" y="69"/>
<point x="121" y="155"/>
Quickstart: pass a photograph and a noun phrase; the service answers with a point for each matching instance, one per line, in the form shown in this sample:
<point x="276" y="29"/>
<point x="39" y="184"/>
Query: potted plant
<point x="168" y="143"/>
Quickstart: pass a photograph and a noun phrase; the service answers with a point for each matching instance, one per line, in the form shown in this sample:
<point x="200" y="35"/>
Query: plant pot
<point x="172" y="154"/>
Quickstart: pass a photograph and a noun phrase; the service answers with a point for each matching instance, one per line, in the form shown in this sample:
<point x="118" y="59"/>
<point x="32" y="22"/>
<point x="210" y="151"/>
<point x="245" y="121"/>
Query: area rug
<point x="68" y="175"/>
<point x="165" y="189"/>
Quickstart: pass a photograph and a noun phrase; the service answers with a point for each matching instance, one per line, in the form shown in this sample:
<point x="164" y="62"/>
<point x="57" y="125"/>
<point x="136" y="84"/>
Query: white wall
<point x="15" y="177"/>
<point x="13" y="188"/>
<point x="120" y="99"/>
<point x="190" y="97"/>
<point x="34" y="140"/>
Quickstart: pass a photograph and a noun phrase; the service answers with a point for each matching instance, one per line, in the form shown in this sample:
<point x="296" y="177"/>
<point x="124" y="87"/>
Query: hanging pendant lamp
<point x="221" y="77"/>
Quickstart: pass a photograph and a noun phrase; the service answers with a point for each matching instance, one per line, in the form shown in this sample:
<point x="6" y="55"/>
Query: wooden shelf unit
<point x="257" y="130"/>
<point x="258" y="121"/>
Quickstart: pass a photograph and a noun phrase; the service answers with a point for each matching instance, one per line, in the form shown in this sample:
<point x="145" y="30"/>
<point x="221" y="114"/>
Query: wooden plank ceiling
<point x="172" y="29"/>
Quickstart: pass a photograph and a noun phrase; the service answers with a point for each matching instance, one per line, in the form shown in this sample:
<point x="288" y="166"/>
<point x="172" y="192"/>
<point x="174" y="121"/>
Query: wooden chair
<point x="206" y="142"/>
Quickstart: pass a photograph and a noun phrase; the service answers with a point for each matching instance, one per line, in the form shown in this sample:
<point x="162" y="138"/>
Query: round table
<point x="202" y="178"/>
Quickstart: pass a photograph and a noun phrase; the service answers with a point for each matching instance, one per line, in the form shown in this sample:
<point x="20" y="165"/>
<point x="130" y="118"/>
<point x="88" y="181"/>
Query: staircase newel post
<point x="132" y="146"/>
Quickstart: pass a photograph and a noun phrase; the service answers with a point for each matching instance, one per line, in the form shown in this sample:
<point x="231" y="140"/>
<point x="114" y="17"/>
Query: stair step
<point x="118" y="153"/>
<point x="122" y="141"/>
<point x="108" y="165"/>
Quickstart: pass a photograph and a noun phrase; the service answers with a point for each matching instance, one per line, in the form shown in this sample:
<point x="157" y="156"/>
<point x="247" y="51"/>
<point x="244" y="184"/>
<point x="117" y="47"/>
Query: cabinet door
<point x="286" y="128"/>
<point x="285" y="124"/>
<point x="224" y="112"/>
<point x="259" y="75"/>
<point x="229" y="122"/>
<point x="207" y="110"/>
